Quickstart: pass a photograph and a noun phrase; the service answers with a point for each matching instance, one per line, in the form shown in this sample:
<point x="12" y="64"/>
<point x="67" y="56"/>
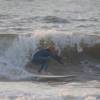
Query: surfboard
<point x="52" y="76"/>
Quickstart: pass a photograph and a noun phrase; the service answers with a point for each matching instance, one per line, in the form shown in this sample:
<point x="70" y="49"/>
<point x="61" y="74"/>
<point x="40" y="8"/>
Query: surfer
<point x="42" y="57"/>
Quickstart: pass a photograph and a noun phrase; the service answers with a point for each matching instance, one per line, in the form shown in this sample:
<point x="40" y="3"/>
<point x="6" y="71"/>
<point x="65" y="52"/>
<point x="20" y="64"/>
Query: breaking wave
<point x="17" y="50"/>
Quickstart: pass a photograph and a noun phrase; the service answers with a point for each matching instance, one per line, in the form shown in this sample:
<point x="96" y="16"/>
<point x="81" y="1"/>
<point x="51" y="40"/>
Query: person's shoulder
<point x="43" y="50"/>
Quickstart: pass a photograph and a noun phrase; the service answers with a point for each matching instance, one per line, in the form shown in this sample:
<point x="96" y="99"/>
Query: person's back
<point x="41" y="56"/>
<point x="42" y="52"/>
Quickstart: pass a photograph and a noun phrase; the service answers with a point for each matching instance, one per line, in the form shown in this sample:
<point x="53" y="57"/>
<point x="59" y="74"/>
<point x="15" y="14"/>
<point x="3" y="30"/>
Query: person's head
<point x="51" y="48"/>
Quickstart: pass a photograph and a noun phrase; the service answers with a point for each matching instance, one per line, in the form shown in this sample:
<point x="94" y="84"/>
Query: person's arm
<point x="57" y="58"/>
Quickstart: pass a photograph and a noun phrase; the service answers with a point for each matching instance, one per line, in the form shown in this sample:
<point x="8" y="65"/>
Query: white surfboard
<point x="52" y="76"/>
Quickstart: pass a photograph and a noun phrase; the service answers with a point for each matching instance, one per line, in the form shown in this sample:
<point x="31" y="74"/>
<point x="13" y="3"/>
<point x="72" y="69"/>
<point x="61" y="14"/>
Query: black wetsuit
<point x="43" y="56"/>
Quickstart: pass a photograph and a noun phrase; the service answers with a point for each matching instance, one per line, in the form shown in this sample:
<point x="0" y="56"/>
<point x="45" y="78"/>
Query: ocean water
<point x="72" y="25"/>
<point x="25" y="16"/>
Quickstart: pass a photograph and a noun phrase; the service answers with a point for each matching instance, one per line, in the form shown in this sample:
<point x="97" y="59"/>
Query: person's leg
<point x="42" y="67"/>
<point x="46" y="67"/>
<point x="43" y="61"/>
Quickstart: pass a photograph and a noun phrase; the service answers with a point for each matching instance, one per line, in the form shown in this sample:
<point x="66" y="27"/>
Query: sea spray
<point x="16" y="56"/>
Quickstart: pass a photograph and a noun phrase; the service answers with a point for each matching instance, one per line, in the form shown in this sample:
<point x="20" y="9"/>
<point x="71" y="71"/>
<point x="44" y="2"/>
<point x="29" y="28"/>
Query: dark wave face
<point x="54" y="19"/>
<point x="46" y="19"/>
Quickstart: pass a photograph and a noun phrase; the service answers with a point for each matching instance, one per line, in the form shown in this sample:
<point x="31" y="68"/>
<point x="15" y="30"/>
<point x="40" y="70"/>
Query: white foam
<point x="15" y="58"/>
<point x="40" y="91"/>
